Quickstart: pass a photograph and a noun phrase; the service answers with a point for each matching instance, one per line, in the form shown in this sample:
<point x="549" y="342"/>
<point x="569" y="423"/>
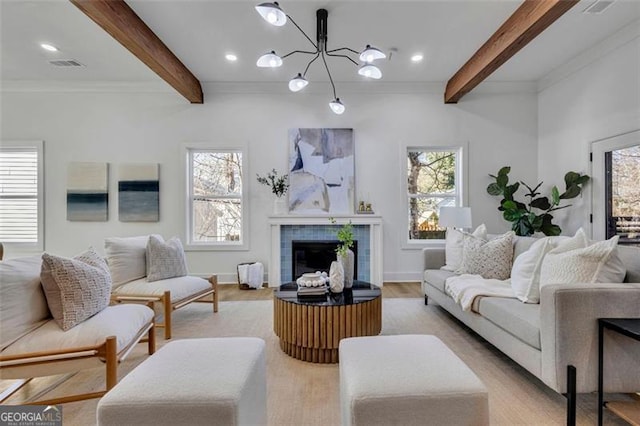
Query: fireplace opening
<point x="312" y="256"/>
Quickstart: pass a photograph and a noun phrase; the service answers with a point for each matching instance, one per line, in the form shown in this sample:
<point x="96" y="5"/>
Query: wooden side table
<point x="630" y="327"/>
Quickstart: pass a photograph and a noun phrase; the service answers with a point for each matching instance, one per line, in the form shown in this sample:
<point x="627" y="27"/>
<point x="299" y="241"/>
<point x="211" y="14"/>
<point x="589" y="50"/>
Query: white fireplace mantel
<point x="375" y="240"/>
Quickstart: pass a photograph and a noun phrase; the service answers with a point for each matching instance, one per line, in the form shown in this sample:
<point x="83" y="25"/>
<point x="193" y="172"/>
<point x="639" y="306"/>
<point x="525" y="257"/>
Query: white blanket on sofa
<point x="465" y="289"/>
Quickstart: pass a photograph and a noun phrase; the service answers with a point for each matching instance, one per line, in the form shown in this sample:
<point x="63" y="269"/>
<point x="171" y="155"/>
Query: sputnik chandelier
<point x="273" y="14"/>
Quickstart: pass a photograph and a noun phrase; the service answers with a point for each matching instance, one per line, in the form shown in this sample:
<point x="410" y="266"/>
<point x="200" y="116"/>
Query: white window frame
<point x="191" y="245"/>
<point x="461" y="196"/>
<point x="598" y="179"/>
<point x="39" y="147"/>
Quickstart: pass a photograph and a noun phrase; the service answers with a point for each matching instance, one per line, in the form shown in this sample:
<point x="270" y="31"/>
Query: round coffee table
<point x="310" y="329"/>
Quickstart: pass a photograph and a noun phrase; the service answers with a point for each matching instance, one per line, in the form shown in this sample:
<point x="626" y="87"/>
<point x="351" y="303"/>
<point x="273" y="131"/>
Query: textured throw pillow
<point x="490" y="259"/>
<point x="165" y="259"/>
<point x="613" y="270"/>
<point x="76" y="289"/>
<point x="525" y="274"/>
<point x="453" y="245"/>
<point x="126" y="258"/>
<point x="578" y="265"/>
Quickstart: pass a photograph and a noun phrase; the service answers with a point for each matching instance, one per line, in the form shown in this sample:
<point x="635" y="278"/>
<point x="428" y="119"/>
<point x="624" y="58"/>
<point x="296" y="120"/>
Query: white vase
<point x="347" y="261"/>
<point x="336" y="277"/>
<point x="279" y="206"/>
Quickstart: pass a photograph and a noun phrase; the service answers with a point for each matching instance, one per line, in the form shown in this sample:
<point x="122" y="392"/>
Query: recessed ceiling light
<point x="417" y="57"/>
<point x="231" y="57"/>
<point x="49" y="47"/>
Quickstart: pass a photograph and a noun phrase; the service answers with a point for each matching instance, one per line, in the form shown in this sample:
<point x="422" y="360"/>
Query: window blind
<point x="18" y="195"/>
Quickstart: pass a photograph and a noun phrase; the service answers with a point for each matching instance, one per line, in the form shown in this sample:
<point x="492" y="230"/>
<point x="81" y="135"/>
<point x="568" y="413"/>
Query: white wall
<point x="597" y="99"/>
<point x="501" y="129"/>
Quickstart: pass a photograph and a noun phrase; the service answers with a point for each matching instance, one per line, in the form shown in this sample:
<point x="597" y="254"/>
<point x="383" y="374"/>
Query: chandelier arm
<point x="302" y="31"/>
<point x="333" y="86"/>
<point x="343" y="56"/>
<point x="309" y="64"/>
<point x="306" y="52"/>
<point x="343" y="48"/>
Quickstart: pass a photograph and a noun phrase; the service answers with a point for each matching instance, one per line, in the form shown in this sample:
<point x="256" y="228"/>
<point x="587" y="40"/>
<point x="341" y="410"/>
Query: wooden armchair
<point x="34" y="345"/>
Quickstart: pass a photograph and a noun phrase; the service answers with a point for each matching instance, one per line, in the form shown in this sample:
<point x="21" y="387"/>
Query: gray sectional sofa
<point x="561" y="330"/>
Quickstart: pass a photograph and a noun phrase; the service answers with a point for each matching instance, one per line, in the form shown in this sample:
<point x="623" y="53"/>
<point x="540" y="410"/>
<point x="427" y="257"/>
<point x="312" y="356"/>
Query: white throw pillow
<point x="577" y="265"/>
<point x="76" y="289"/>
<point x="453" y="245"/>
<point x="525" y="274"/>
<point x="126" y="258"/>
<point x="165" y="259"/>
<point x="613" y="270"/>
<point x="490" y="259"/>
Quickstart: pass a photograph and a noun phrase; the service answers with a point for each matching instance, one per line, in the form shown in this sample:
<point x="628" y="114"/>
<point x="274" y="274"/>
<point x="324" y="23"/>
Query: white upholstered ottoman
<point x="408" y="380"/>
<point x="218" y="381"/>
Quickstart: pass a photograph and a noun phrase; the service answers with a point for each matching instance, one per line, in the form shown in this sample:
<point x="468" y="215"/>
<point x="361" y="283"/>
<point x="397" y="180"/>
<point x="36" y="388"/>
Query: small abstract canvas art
<point x="321" y="171"/>
<point x="138" y="193"/>
<point x="87" y="192"/>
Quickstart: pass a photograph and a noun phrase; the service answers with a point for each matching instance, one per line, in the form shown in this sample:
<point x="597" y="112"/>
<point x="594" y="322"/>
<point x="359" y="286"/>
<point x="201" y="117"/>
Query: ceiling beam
<point x="529" y="20"/>
<point x="122" y="23"/>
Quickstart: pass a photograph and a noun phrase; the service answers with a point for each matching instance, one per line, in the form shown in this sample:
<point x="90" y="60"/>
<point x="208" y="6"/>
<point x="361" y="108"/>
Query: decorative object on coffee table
<point x="345" y="255"/>
<point x="525" y="221"/>
<point x="336" y="277"/>
<point x="279" y="186"/>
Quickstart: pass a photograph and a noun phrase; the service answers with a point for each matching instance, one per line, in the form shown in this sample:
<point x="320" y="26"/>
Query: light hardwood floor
<point x="306" y="394"/>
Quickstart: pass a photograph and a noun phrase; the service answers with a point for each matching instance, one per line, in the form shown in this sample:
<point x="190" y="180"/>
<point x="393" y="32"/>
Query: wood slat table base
<point x="312" y="333"/>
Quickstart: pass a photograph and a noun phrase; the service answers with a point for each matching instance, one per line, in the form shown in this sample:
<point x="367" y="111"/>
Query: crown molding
<point x="625" y="35"/>
<point x="213" y="88"/>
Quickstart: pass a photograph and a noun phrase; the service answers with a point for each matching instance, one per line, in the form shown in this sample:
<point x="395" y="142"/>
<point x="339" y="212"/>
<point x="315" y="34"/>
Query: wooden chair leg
<point x="112" y="362"/>
<point x="214" y="283"/>
<point x="151" y="341"/>
<point x="168" y="309"/>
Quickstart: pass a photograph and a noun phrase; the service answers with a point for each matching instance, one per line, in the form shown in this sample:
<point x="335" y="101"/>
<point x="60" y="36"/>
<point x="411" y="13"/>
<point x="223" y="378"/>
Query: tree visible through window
<point x="216" y="196"/>
<point x="432" y="183"/>
<point x="623" y="194"/>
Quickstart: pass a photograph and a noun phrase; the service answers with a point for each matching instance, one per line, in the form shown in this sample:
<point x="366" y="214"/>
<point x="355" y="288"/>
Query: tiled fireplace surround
<point x="284" y="229"/>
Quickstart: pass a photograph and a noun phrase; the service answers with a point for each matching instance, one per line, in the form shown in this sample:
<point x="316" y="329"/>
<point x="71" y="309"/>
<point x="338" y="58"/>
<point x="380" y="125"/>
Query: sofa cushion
<point x="23" y="306"/>
<point x="519" y="319"/>
<point x="454" y="242"/>
<point x="522" y="244"/>
<point x="437" y="277"/>
<point x="165" y="259"/>
<point x="489" y="259"/>
<point x="123" y="321"/>
<point x="126" y="258"/>
<point x="629" y="256"/>
<point x="180" y="287"/>
<point x="77" y="288"/>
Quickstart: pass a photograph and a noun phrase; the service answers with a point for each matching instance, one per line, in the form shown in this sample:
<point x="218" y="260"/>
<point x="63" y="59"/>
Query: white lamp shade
<point x="298" y="83"/>
<point x="336" y="106"/>
<point x="272" y="13"/>
<point x="370" y="71"/>
<point x="370" y="54"/>
<point x="455" y="217"/>
<point x="269" y="60"/>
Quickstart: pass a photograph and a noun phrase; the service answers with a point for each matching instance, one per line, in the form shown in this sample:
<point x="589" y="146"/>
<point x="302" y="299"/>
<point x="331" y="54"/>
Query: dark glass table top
<point x="629" y="327"/>
<point x="361" y="292"/>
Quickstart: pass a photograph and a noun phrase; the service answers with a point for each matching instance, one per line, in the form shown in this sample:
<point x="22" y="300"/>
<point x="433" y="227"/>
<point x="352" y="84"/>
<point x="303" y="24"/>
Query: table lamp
<point x="455" y="217"/>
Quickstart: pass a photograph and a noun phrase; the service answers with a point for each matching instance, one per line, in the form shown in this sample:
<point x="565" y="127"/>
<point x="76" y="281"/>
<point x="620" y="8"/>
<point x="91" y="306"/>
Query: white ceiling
<point x="201" y="32"/>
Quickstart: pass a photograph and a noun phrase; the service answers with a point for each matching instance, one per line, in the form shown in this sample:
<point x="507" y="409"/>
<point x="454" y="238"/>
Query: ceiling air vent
<point x="66" y="63"/>
<point x="598" y="6"/>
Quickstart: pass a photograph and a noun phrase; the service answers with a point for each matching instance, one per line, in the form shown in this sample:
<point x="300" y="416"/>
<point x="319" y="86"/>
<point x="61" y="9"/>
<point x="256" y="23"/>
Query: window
<point x="433" y="181"/>
<point x="622" y="171"/>
<point x="216" y="203"/>
<point x="615" y="195"/>
<point x="21" y="195"/>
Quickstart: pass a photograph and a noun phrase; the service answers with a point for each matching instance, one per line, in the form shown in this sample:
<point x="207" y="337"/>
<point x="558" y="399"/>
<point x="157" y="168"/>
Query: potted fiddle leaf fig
<point x="534" y="214"/>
